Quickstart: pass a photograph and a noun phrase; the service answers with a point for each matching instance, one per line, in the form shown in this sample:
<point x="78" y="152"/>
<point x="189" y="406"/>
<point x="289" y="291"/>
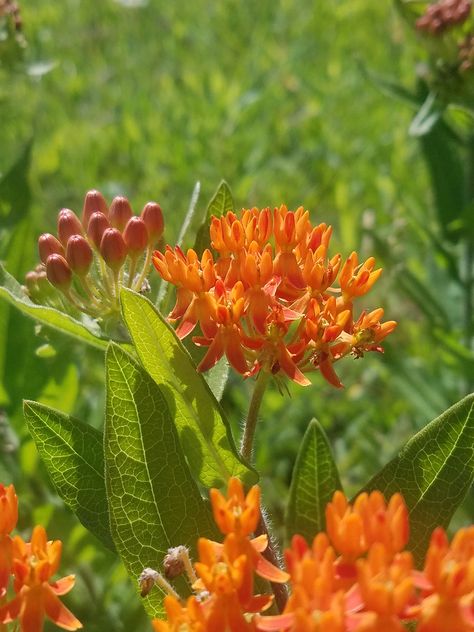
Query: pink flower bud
<point x="113" y="248"/>
<point x="94" y="202"/>
<point x="58" y="272"/>
<point x="79" y="254"/>
<point x="152" y="215"/>
<point x="68" y="225"/>
<point x="120" y="212"/>
<point x="135" y="236"/>
<point x="49" y="245"/>
<point x="98" y="223"/>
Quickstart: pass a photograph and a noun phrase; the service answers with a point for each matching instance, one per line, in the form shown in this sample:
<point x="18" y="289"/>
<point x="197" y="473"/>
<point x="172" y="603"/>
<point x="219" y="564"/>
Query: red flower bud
<point x="98" y="223"/>
<point x="68" y="225"/>
<point x="49" y="245"/>
<point x="135" y="236"/>
<point x="152" y="215"/>
<point x="113" y="248"/>
<point x="58" y="272"/>
<point x="79" y="254"/>
<point x="120" y="212"/>
<point x="94" y="202"/>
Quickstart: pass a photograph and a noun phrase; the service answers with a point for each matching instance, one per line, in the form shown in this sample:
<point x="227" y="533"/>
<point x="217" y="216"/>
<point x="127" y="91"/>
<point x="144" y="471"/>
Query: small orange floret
<point x="189" y="617"/>
<point x="238" y="513"/>
<point x="8" y="509"/>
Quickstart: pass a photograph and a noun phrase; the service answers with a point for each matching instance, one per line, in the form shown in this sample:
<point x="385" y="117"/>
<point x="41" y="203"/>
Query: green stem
<point x="251" y="422"/>
<point x="146" y="268"/>
<point x="469" y="261"/>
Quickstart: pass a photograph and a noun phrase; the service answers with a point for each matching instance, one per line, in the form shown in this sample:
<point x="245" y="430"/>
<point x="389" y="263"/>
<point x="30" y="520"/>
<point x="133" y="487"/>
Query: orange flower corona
<point x="32" y="565"/>
<point x="268" y="300"/>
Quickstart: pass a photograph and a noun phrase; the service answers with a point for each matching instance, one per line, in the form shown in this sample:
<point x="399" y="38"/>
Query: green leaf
<point x="11" y="291"/>
<point x="434" y="472"/>
<point x="202" y="428"/>
<point x="427" y="116"/>
<point x="153" y="499"/>
<point x="72" y="452"/>
<point x="315" y="479"/>
<point x="220" y="203"/>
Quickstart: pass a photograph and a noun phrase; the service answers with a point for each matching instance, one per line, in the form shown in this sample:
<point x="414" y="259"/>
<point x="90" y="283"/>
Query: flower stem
<point x="246" y="445"/>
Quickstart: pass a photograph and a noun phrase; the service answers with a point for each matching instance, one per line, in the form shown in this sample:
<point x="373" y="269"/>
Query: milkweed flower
<point x="31" y="565"/>
<point x="266" y="296"/>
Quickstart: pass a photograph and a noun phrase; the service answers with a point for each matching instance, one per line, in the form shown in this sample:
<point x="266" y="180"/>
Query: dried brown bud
<point x="98" y="224"/>
<point x="79" y="254"/>
<point x="173" y="564"/>
<point x="94" y="202"/>
<point x="68" y="225"/>
<point x="152" y="215"/>
<point x="49" y="245"/>
<point x="135" y="236"/>
<point x="147" y="579"/>
<point x="113" y="248"/>
<point x="120" y="212"/>
<point x="58" y="272"/>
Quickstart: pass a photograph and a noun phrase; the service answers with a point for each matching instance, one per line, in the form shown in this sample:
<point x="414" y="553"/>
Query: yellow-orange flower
<point x="36" y="597"/>
<point x="190" y="617"/>
<point x="238" y="513"/>
<point x="268" y="300"/>
<point x="8" y="520"/>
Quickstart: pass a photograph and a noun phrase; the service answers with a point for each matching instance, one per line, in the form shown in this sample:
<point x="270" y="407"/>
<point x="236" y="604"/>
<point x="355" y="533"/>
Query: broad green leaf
<point x="154" y="501"/>
<point x="220" y="203"/>
<point x="434" y="472"/>
<point x="72" y="452"/>
<point x="315" y="479"/>
<point x="204" y="432"/>
<point x="11" y="291"/>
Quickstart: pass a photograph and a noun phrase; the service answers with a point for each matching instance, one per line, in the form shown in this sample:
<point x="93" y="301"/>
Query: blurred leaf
<point x="220" y="203"/>
<point x="447" y="174"/>
<point x="190" y="216"/>
<point x="427" y="116"/>
<point x="203" y="430"/>
<point x="387" y="86"/>
<point x="11" y="290"/>
<point x="15" y="192"/>
<point x="433" y="472"/>
<point x="315" y="479"/>
<point x="72" y="452"/>
<point x="154" y="502"/>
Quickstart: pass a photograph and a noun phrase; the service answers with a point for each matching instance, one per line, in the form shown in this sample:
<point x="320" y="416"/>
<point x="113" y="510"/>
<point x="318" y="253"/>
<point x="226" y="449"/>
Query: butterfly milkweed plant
<point x="170" y="489"/>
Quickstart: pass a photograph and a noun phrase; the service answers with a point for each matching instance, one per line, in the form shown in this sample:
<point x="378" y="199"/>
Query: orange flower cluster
<point x="225" y="597"/>
<point x="267" y="302"/>
<point x="356" y="577"/>
<point x="31" y="565"/>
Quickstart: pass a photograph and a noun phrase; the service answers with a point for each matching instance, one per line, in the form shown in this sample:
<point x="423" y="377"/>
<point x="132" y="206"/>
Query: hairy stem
<point x="246" y="445"/>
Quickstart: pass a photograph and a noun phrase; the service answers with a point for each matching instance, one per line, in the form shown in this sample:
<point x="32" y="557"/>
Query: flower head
<point x="267" y="301"/>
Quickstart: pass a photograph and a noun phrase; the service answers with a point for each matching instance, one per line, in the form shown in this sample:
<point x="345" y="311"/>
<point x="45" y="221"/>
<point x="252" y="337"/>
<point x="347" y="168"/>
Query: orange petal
<point x="58" y="612"/>
<point x="266" y="570"/>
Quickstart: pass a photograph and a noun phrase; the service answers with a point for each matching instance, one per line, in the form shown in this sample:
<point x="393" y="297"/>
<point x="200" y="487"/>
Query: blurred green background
<point x="145" y="98"/>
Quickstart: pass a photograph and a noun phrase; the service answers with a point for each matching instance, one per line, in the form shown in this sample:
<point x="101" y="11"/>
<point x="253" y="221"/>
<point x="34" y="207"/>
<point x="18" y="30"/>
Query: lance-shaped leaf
<point x="220" y="203"/>
<point x="154" y="502"/>
<point x="11" y="290"/>
<point x="434" y="472"/>
<point x="315" y="479"/>
<point x="204" y="432"/>
<point x="72" y="452"/>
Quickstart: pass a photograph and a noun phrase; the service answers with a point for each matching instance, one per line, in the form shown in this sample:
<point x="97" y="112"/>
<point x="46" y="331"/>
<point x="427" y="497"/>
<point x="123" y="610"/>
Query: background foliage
<point x="146" y="98"/>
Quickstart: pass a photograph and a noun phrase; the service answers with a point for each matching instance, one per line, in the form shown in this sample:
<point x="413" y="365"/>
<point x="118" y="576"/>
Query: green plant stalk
<point x="246" y="448"/>
<point x="469" y="263"/>
<point x="246" y="445"/>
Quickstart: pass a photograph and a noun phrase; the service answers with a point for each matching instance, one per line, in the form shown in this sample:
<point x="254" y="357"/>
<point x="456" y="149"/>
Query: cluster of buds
<point x="355" y="577"/>
<point x="93" y="256"/>
<point x="443" y="15"/>
<point x="12" y="9"/>
<point x="268" y="301"/>
<point x="31" y="565"/>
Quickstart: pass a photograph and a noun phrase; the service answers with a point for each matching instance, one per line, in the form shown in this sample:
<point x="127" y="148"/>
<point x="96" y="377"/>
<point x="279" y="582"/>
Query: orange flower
<point x="450" y="572"/>
<point x="8" y="520"/>
<point x="238" y="513"/>
<point x="190" y="617"/>
<point x="36" y="598"/>
<point x="267" y="302"/>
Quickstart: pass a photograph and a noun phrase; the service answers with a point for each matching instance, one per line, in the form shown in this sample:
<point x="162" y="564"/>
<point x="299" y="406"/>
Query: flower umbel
<point x="268" y="301"/>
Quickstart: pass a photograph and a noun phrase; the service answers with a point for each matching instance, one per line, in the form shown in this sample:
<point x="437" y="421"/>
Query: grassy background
<point x="147" y="98"/>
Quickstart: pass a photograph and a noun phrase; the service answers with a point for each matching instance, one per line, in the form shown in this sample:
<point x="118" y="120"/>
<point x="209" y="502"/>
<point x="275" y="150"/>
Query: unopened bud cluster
<point x="12" y="10"/>
<point x="443" y="15"/>
<point x="91" y="258"/>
